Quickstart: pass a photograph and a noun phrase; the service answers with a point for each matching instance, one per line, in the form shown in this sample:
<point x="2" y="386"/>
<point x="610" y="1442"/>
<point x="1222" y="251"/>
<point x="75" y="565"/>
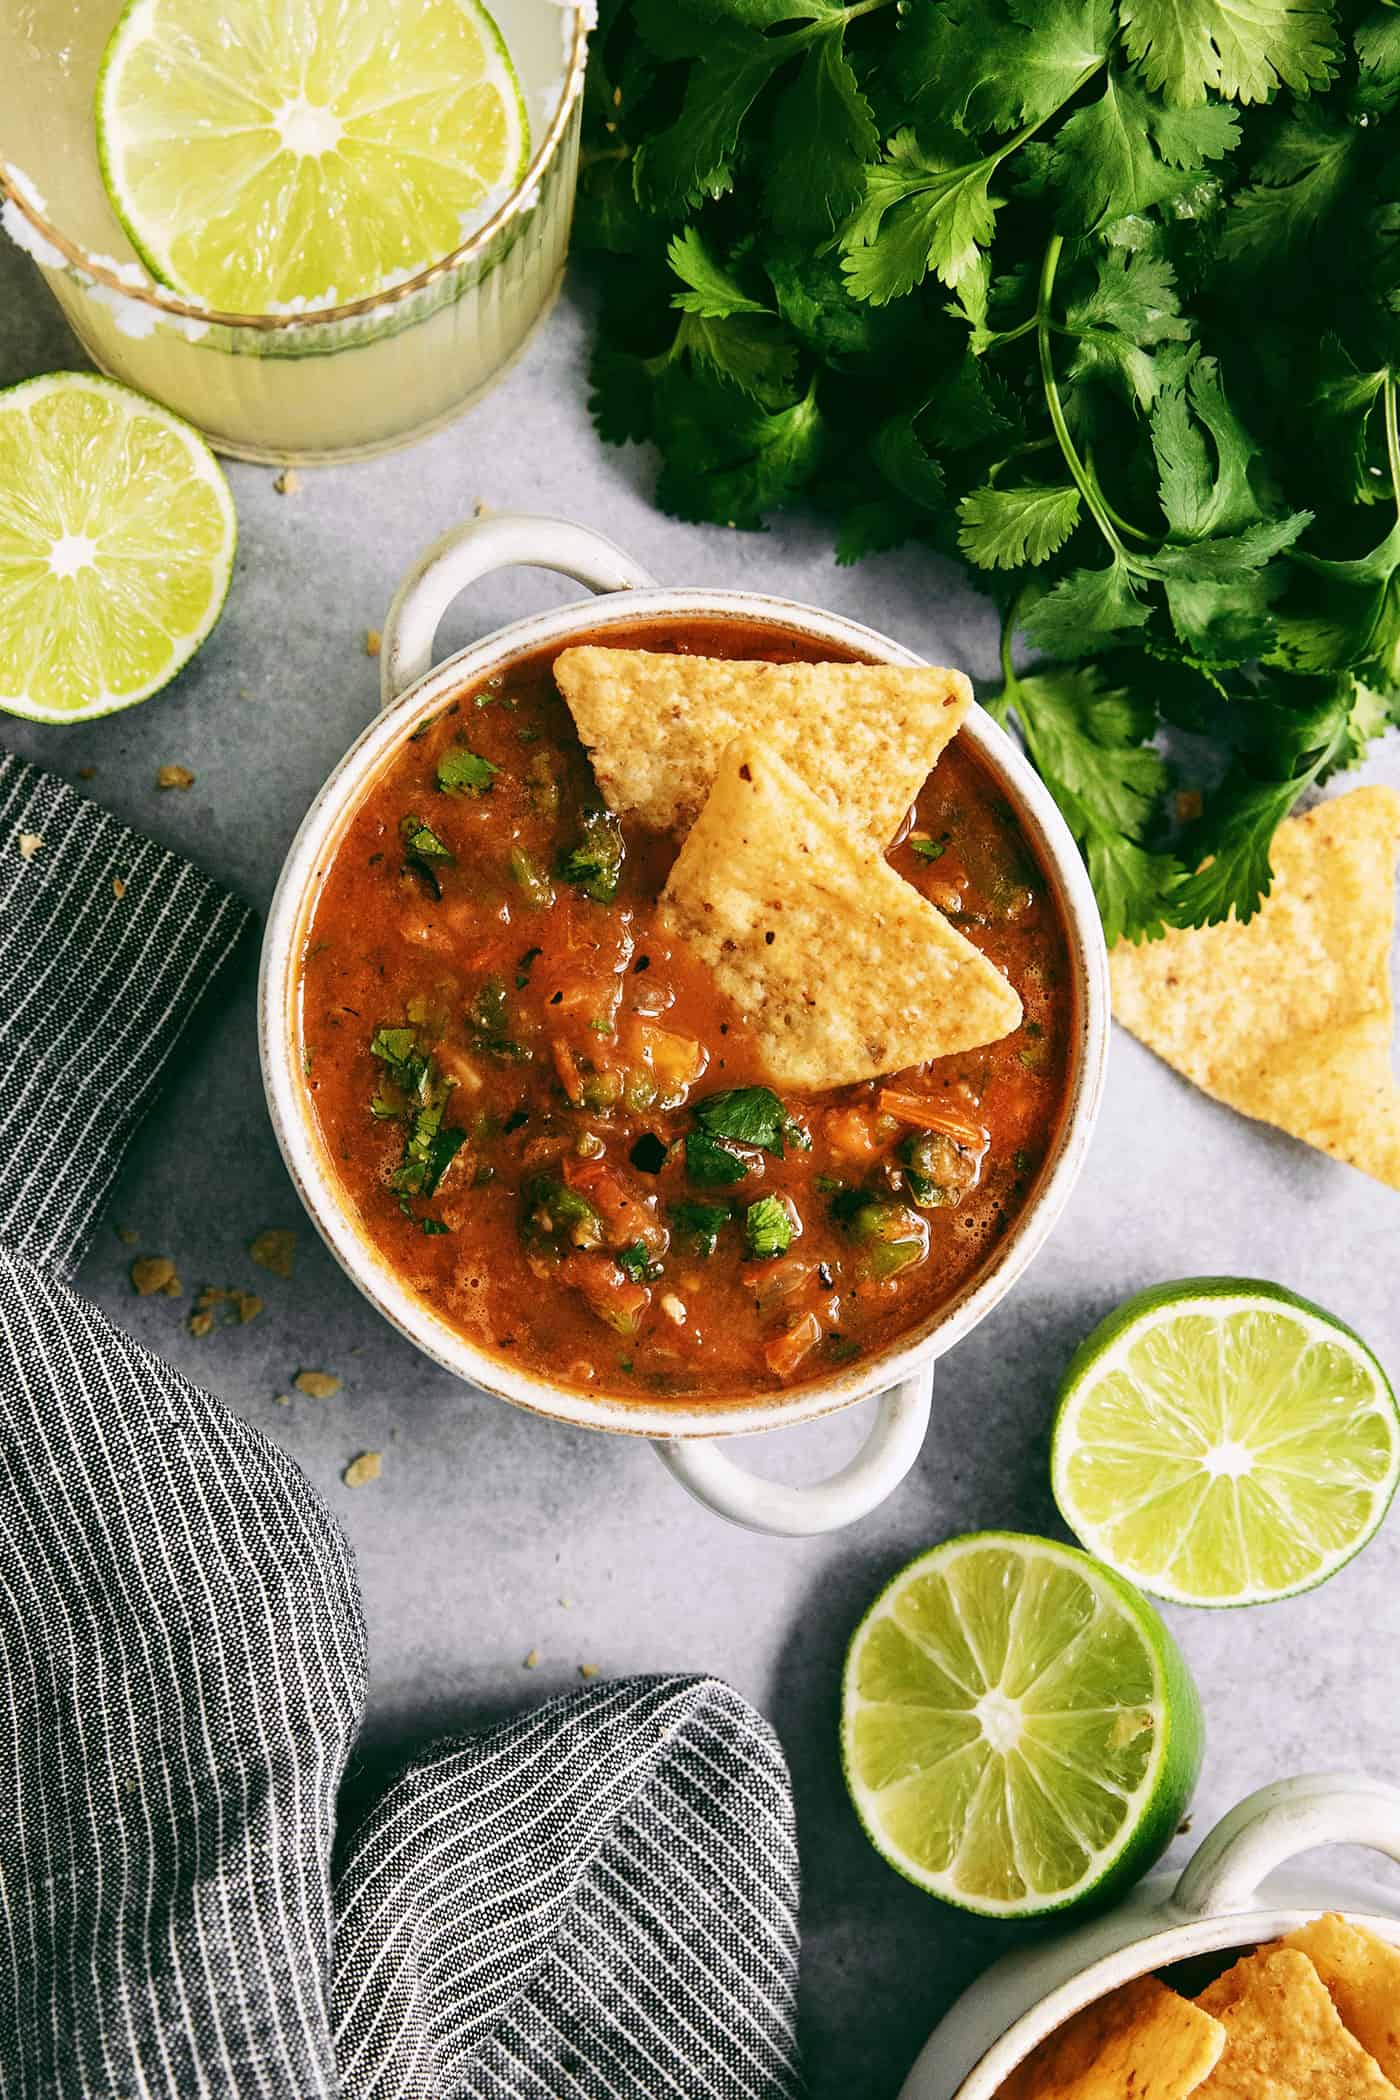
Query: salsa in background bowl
<point x="549" y="1120"/>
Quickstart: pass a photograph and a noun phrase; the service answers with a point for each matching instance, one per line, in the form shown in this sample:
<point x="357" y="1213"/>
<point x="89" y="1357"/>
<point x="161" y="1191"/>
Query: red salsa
<point x="556" y="1130"/>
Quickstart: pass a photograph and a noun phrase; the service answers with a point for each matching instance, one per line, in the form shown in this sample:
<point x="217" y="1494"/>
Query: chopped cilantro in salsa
<point x="593" y="863"/>
<point x="767" y="1228"/>
<point x="751" y="1115"/>
<point x="461" y="772"/>
<point x="698" y="1225"/>
<point x="711" y="1164"/>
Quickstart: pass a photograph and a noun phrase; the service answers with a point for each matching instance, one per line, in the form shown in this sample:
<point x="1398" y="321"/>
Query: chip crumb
<point x="532" y="1660"/>
<point x="281" y="1399"/>
<point x="202" y="1322"/>
<point x="247" y="1305"/>
<point x="29" y="844"/>
<point x="482" y="508"/>
<point x="362" y="1470"/>
<point x="1189" y="804"/>
<point x="274" y="1251"/>
<point x="588" y="1669"/>
<point x="566" y="1603"/>
<point x="287" y="482"/>
<point x="118" y="886"/>
<point x="174" y="777"/>
<point x="373" y="638"/>
<point x="125" y="1234"/>
<point x="87" y="772"/>
<point x="318" y="1385"/>
<point x="154" y="1273"/>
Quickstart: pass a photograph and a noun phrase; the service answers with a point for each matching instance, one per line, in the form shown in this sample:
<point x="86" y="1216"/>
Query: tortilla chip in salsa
<point x="864" y="736"/>
<point x="1283" y="2037"/>
<point x="1141" y="2040"/>
<point x="1288" y="1017"/>
<point x="841" y="969"/>
<point x="1362" y="1975"/>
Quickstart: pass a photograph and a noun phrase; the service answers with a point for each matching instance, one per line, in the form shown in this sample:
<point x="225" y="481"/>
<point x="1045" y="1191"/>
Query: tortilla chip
<point x="1141" y="2040"/>
<point x="865" y="736"/>
<point x="1362" y="1975"/>
<point x="1283" y="2039"/>
<point x="841" y="968"/>
<point x="1288" y="1018"/>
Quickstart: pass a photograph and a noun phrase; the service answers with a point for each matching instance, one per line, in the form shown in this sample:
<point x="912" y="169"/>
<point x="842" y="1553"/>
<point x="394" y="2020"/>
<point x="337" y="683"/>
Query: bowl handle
<point x="511" y="540"/>
<point x="746" y="1498"/>
<point x="1270" y="1826"/>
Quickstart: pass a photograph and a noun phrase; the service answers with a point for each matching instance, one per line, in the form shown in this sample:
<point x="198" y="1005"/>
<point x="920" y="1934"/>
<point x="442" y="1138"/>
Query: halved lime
<point x="1019" y="1730"/>
<point x="264" y="158"/>
<point x="116" y="547"/>
<point x="1223" y="1442"/>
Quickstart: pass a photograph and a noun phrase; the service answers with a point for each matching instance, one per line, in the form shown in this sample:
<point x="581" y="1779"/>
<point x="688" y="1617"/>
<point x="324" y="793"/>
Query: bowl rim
<point x="17" y="189"/>
<point x="302" y="1148"/>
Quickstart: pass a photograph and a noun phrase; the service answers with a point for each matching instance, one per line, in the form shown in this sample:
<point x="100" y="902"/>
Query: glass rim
<point x="166" y="302"/>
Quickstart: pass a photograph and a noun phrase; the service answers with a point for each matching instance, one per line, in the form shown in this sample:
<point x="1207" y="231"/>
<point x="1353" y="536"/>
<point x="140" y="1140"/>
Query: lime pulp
<point x="1019" y="1731"/>
<point x="1221" y="1441"/>
<point x="267" y="159"/>
<point x="117" y="537"/>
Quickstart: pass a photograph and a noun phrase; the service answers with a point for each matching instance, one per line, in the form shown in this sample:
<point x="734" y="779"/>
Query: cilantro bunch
<point x="1101" y="297"/>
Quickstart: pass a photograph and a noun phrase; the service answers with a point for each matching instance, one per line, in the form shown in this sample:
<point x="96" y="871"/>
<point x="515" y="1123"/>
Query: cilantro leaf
<point x="709" y="1164"/>
<point x="462" y="772"/>
<point x="1376" y="43"/>
<point x="1088" y="741"/>
<point x="593" y="863"/>
<point x="823" y="134"/>
<point x="700" y="1224"/>
<point x="1203" y="453"/>
<point x="694" y="156"/>
<point x="635" y="1261"/>
<point x="767" y="1228"/>
<point x="1245" y="50"/>
<point x="1106" y="162"/>
<point x="710" y="291"/>
<point x="985" y="66"/>
<point x="751" y="1115"/>
<point x="1006" y="528"/>
<point x="1231" y="845"/>
<point x="749" y="350"/>
<point x="1088" y="610"/>
<point x="1307" y="170"/>
<point x="728" y="461"/>
<point x="925" y="208"/>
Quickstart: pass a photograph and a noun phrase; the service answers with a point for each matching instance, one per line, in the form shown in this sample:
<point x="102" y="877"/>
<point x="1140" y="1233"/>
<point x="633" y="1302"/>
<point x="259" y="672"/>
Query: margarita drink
<point x="320" y="379"/>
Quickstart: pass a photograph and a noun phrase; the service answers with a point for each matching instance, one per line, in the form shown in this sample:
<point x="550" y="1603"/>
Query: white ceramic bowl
<point x="1238" y="1890"/>
<point x="684" y="1434"/>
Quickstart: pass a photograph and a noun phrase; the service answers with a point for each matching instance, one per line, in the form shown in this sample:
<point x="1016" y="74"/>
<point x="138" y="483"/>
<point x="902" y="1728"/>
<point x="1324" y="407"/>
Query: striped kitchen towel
<point x="597" y="1899"/>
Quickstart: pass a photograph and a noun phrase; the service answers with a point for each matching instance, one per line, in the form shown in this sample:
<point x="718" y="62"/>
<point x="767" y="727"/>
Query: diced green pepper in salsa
<point x="549" y="1120"/>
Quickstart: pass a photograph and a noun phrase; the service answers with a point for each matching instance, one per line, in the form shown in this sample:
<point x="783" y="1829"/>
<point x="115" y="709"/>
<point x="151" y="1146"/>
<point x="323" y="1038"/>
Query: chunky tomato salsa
<point x="555" y="1129"/>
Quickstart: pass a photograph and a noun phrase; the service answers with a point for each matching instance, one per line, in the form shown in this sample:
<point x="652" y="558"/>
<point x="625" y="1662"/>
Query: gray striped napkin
<point x="598" y="1899"/>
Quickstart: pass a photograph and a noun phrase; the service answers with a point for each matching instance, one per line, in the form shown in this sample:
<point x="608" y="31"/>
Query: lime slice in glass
<point x="1223" y="1442"/>
<point x="116" y="547"/>
<point x="1019" y="1730"/>
<point x="265" y="158"/>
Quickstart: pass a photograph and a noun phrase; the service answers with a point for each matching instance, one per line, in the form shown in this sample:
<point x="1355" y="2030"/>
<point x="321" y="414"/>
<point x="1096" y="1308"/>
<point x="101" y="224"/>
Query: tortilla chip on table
<point x="1284" y="2039"/>
<point x="655" y="725"/>
<point x="1288" y="1017"/>
<point x="1141" y="2042"/>
<point x="842" y="970"/>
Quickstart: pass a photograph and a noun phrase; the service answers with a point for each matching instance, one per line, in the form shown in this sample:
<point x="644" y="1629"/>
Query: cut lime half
<point x="1223" y="1442"/>
<point x="117" y="536"/>
<point x="1019" y="1730"/>
<point x="268" y="158"/>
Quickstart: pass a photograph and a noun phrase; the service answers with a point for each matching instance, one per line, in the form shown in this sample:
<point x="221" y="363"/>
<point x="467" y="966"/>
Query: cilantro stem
<point x="825" y="25"/>
<point x="1392" y="439"/>
<point x="1086" y="482"/>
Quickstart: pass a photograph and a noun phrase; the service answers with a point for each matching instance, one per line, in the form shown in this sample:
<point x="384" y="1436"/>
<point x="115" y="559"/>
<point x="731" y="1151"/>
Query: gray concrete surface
<point x="490" y="1533"/>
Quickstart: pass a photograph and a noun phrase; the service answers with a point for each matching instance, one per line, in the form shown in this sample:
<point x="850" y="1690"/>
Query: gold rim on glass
<point x="164" y="302"/>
